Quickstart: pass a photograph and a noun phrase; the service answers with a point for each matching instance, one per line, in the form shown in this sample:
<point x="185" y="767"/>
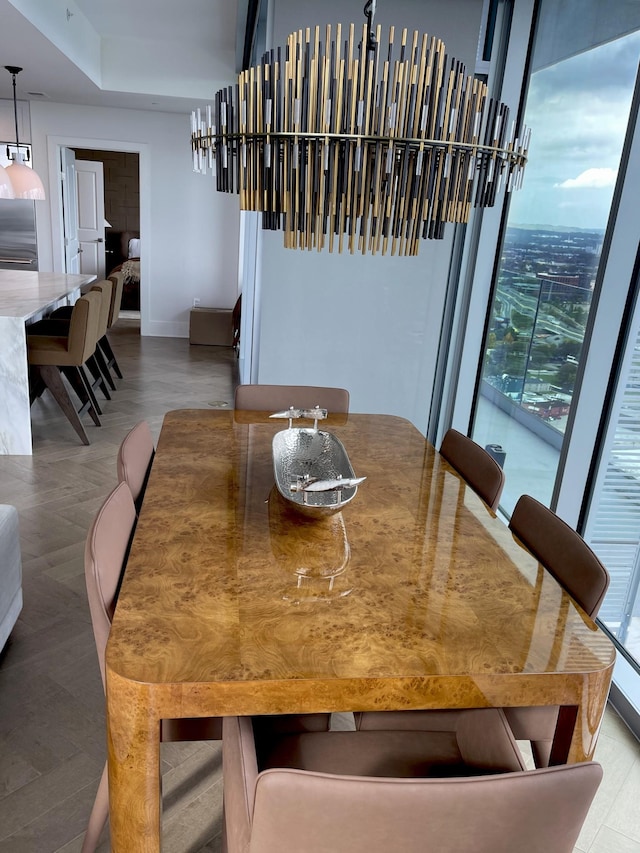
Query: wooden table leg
<point x="133" y="739"/>
<point x="579" y="725"/>
<point x="567" y="740"/>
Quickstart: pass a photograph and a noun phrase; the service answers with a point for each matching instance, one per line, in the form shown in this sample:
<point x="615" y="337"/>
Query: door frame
<point x="54" y="144"/>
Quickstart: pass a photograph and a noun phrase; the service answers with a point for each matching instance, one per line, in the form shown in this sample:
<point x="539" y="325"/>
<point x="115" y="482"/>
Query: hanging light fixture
<point x="25" y="181"/>
<point x="366" y="145"/>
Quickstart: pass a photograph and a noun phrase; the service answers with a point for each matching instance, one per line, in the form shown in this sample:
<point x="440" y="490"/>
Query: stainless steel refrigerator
<point x="18" y="246"/>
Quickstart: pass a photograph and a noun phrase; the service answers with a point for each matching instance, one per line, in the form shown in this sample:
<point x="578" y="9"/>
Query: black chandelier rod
<point x="14" y="71"/>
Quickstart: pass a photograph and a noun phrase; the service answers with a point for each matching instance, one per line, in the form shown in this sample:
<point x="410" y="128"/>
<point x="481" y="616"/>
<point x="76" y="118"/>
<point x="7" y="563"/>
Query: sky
<point x="578" y="112"/>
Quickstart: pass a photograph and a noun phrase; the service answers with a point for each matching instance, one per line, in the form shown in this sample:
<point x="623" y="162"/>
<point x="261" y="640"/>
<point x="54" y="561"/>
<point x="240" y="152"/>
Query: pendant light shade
<point x="25" y="181"/>
<point x="6" y="187"/>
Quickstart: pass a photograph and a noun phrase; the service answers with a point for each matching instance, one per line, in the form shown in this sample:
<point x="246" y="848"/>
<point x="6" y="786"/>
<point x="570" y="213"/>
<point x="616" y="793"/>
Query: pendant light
<point x="359" y="144"/>
<point x="25" y="181"/>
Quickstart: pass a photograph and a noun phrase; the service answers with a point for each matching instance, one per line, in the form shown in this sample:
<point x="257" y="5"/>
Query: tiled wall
<point x="121" y="187"/>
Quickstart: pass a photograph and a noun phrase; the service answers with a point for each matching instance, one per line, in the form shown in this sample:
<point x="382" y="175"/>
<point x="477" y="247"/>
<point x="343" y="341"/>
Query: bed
<point x="128" y="243"/>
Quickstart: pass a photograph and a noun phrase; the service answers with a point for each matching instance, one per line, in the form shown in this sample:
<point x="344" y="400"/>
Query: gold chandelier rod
<point x="376" y="145"/>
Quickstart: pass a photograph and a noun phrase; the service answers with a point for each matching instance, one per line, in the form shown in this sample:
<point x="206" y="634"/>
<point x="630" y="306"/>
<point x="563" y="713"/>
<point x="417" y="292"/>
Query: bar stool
<point x="116" y="301"/>
<point x="51" y="355"/>
<point x="97" y="363"/>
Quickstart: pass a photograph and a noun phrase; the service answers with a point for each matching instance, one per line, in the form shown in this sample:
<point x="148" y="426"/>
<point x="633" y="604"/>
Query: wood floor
<point x="51" y="702"/>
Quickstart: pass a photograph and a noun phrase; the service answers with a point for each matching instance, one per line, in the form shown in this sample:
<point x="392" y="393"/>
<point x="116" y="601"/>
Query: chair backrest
<point x="83" y="327"/>
<point x="562" y="551"/>
<point x="134" y="460"/>
<point x="272" y="398"/>
<point x="527" y="810"/>
<point x="475" y="465"/>
<point x="116" y="297"/>
<point x="105" y="554"/>
<point x="105" y="289"/>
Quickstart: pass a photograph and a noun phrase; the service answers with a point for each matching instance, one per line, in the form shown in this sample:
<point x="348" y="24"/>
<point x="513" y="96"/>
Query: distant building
<point x="567" y="286"/>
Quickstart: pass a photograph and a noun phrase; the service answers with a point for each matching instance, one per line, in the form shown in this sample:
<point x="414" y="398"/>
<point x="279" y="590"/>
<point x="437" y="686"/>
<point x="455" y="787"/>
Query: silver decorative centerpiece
<point x="311" y="466"/>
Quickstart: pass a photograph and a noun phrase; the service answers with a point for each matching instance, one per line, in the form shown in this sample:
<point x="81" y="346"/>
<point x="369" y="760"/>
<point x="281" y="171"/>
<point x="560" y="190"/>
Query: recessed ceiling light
<point x="37" y="94"/>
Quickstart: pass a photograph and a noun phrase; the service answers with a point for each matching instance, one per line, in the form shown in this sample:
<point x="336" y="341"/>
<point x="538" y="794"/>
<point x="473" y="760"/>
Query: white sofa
<point x="10" y="571"/>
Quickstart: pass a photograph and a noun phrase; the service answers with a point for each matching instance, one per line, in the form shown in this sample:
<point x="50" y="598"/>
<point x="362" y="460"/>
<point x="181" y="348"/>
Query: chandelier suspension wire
<point x="363" y="146"/>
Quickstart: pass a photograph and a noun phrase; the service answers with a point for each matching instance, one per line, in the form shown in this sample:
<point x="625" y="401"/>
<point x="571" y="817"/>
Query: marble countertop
<point x="25" y="293"/>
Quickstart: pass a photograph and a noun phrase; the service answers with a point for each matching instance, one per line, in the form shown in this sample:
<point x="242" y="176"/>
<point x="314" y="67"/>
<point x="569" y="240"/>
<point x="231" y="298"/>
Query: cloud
<point x="597" y="178"/>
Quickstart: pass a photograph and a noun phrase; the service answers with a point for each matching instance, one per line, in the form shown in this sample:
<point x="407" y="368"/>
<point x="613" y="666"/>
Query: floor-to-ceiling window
<point x="578" y="105"/>
<point x="613" y="526"/>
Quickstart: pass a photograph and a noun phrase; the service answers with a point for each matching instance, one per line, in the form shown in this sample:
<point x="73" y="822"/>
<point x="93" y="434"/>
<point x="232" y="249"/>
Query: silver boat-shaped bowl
<point x="302" y="457"/>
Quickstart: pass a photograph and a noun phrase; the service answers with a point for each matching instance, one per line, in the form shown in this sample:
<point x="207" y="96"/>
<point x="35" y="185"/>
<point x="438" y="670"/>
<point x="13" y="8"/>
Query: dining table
<point x="413" y="595"/>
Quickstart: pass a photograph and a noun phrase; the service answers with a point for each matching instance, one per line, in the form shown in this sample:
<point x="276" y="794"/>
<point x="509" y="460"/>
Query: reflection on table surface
<point x="442" y="587"/>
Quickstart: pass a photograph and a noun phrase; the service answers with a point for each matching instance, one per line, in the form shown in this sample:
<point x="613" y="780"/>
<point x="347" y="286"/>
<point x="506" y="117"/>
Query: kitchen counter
<point x="24" y="298"/>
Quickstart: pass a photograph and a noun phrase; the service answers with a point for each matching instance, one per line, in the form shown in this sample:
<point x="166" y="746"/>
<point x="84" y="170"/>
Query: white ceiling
<point x="169" y="55"/>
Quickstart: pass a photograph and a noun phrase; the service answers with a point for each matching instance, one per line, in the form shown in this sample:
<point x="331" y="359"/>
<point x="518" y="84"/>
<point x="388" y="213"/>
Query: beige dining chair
<point x="272" y="398"/>
<point x="135" y="456"/>
<point x="565" y="554"/>
<point x="96" y="363"/>
<point x="475" y="465"/>
<point x="373" y="792"/>
<point x="53" y="351"/>
<point x="106" y="551"/>
<point x="114" y="313"/>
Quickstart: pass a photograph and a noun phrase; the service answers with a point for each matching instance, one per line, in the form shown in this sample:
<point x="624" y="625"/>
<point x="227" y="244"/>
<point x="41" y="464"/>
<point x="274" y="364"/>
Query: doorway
<point x="103" y="147"/>
<point x="121" y="170"/>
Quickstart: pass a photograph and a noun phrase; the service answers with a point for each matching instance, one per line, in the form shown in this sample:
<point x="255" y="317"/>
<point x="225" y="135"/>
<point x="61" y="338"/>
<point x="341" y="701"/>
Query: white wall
<point x="189" y="231"/>
<point x="370" y="324"/>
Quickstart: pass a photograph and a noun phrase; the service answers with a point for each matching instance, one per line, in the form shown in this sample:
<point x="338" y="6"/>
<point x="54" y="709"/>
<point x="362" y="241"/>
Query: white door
<point x="69" y="211"/>
<point x="90" y="184"/>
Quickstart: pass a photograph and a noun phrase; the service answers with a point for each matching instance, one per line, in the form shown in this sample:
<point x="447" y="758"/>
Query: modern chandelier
<point x="364" y="145"/>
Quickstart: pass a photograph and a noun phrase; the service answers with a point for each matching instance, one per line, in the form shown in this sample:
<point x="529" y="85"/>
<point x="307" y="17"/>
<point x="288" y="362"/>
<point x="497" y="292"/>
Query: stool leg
<point x="104" y="344"/>
<point x="98" y="376"/>
<point x="52" y="378"/>
<point x="104" y="368"/>
<point x="82" y="387"/>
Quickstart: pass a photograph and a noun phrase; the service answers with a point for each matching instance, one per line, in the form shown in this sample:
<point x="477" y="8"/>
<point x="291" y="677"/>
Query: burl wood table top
<point x="414" y="595"/>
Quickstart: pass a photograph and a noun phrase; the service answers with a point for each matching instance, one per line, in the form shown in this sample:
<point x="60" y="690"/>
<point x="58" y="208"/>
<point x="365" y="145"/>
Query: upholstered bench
<point x="10" y="571"/>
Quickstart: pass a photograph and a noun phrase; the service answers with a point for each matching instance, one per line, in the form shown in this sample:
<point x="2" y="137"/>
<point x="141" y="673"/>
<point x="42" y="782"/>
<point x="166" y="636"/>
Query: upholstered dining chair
<point x="105" y="556"/>
<point x="96" y="363"/>
<point x="271" y="398"/>
<point x="135" y="456"/>
<point x="565" y="554"/>
<point x="475" y="465"/>
<point x="53" y="351"/>
<point x="372" y="792"/>
<point x="114" y="313"/>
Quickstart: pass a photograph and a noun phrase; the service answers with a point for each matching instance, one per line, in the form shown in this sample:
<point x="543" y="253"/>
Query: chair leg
<point x="98" y="376"/>
<point x="104" y="344"/>
<point x="83" y="389"/>
<point x="104" y="368"/>
<point x="98" y="816"/>
<point x="37" y="386"/>
<point x="541" y="750"/>
<point x="52" y="378"/>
